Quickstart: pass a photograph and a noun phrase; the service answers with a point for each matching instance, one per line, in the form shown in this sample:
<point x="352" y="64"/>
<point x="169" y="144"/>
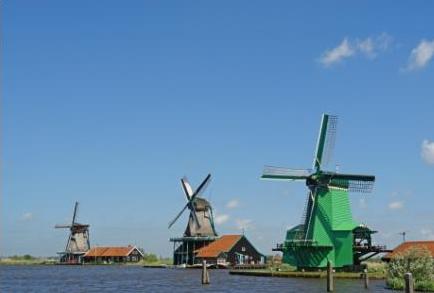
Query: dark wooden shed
<point x="230" y="250"/>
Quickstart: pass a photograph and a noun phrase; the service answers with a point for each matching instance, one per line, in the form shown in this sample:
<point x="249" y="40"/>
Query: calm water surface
<point x="138" y="279"/>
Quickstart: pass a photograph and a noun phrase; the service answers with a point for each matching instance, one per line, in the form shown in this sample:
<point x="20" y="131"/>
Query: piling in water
<point x="205" y="274"/>
<point x="366" y="278"/>
<point x="409" y="286"/>
<point x="329" y="277"/>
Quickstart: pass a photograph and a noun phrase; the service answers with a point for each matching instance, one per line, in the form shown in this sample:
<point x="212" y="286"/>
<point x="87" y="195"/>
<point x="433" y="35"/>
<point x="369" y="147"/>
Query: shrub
<point x="286" y="267"/>
<point x="425" y="286"/>
<point x="417" y="261"/>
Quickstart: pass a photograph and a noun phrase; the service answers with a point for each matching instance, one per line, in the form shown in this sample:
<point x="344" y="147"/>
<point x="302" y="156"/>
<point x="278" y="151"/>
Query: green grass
<point x="27" y="260"/>
<point x="376" y="267"/>
<point x="151" y="259"/>
<point x="398" y="284"/>
<point x="376" y="270"/>
<point x="298" y="274"/>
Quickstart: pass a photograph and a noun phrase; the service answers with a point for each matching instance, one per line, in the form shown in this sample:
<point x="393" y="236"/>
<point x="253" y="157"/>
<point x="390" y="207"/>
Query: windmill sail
<point x="200" y="220"/>
<point x="187" y="188"/>
<point x="353" y="183"/>
<point x="284" y="173"/>
<point x="326" y="141"/>
<point x="74" y="214"/>
<point x="307" y="215"/>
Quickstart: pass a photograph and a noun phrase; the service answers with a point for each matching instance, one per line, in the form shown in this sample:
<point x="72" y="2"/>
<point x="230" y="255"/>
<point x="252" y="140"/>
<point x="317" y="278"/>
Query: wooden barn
<point x="230" y="250"/>
<point x="119" y="254"/>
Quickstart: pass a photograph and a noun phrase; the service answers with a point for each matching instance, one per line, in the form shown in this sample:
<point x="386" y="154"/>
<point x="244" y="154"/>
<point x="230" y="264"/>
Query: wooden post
<point x="366" y="278"/>
<point x="205" y="274"/>
<point x="409" y="286"/>
<point x="329" y="277"/>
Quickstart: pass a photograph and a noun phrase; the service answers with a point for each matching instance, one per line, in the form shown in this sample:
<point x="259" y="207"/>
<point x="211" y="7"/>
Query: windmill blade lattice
<point x="74" y="215"/>
<point x="353" y="183"/>
<point x="330" y="140"/>
<point x="326" y="141"/>
<point x="187" y="188"/>
<point x="271" y="172"/>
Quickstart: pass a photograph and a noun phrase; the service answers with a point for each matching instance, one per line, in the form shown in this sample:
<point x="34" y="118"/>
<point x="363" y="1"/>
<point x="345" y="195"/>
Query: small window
<point x="243" y="248"/>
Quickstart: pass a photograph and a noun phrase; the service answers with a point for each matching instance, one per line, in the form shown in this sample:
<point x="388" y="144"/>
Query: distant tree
<point x="28" y="257"/>
<point x="150" y="258"/>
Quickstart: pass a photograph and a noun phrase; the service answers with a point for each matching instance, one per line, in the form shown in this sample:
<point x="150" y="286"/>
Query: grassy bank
<point x="376" y="270"/>
<point x="27" y="260"/>
<point x="398" y="284"/>
<point x="152" y="260"/>
<point x="297" y="274"/>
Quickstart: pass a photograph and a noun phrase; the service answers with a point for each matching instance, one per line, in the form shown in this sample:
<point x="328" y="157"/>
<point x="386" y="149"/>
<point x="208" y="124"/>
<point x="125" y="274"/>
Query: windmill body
<point x="200" y="230"/>
<point x="78" y="240"/>
<point x="327" y="230"/>
<point x="205" y="223"/>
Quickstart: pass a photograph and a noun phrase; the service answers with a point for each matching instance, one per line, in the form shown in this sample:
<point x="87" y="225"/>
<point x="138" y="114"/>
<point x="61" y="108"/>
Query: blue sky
<point x="111" y="104"/>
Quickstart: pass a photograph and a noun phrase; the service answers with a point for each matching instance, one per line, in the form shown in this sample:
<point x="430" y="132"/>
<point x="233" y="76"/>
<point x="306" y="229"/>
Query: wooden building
<point x="117" y="254"/>
<point x="230" y="250"/>
<point x="405" y="246"/>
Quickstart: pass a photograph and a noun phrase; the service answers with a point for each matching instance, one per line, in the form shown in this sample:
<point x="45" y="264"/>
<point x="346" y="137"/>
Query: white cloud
<point x="221" y="219"/>
<point x="368" y="47"/>
<point x="232" y="204"/>
<point x="27" y="217"/>
<point x="427" y="233"/>
<point x="421" y="55"/>
<point x="344" y="50"/>
<point x="395" y="205"/>
<point x="243" y="224"/>
<point x="427" y="152"/>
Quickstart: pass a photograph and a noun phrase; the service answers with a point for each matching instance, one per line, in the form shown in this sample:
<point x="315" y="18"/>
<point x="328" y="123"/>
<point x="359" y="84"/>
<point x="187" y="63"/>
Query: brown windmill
<point x="78" y="240"/>
<point x="200" y="230"/>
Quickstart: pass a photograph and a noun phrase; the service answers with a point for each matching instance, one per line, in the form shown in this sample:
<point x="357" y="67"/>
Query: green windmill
<point x="327" y="230"/>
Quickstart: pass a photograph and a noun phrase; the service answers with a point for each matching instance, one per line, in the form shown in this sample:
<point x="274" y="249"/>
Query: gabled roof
<point x="111" y="251"/>
<point x="223" y="244"/>
<point x="403" y="247"/>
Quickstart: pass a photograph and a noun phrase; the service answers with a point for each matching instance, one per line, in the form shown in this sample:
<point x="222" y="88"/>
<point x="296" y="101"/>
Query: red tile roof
<point x="223" y="244"/>
<point x="110" y="251"/>
<point x="403" y="247"/>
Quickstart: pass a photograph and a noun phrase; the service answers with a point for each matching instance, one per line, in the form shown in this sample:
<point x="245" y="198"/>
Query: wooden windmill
<point x="200" y="230"/>
<point x="78" y="240"/>
<point x="201" y="219"/>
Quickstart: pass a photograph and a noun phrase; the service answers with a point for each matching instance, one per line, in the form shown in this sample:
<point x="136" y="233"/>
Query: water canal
<point x="137" y="279"/>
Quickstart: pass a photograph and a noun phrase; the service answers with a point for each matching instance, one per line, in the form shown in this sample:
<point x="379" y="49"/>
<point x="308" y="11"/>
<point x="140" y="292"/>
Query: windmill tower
<point x="200" y="230"/>
<point x="327" y="230"/>
<point x="78" y="240"/>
